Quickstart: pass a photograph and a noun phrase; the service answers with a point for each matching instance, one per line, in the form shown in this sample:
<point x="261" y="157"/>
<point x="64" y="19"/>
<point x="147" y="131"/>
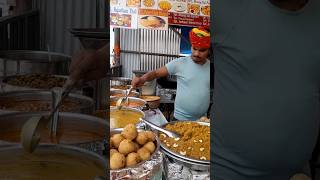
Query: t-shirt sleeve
<point x="173" y="66"/>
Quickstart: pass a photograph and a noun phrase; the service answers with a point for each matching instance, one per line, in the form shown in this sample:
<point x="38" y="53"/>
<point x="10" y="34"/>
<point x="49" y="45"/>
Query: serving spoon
<point x="168" y="133"/>
<point x="120" y="100"/>
<point x="29" y="137"/>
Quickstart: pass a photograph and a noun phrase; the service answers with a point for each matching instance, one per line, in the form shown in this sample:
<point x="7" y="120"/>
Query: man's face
<point x="199" y="55"/>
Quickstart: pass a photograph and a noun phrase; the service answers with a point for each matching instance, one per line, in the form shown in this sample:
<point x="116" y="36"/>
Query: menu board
<point x="124" y="13"/>
<point x="124" y="17"/>
<point x="189" y="12"/>
<point x="188" y="20"/>
<point x="153" y="19"/>
<point x="158" y="14"/>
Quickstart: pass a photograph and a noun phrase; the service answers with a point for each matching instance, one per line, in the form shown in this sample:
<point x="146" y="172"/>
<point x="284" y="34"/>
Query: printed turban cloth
<point x="200" y="37"/>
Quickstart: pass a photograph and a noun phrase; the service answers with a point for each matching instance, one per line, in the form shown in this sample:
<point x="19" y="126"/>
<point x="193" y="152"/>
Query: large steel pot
<point x="37" y="100"/>
<point x="81" y="130"/>
<point x="51" y="162"/>
<point x="25" y="62"/>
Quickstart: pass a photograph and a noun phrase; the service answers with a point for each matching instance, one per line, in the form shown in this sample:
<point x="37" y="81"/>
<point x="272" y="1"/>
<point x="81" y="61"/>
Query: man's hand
<point x="137" y="82"/>
<point x="88" y="65"/>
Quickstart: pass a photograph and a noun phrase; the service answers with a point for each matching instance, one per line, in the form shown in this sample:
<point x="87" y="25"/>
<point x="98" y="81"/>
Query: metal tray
<point x="149" y="169"/>
<point x="119" y="130"/>
<point x="180" y="157"/>
<point x="190" y="164"/>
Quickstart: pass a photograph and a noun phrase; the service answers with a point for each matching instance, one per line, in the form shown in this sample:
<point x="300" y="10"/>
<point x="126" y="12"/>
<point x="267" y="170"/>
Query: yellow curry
<point x="120" y="118"/>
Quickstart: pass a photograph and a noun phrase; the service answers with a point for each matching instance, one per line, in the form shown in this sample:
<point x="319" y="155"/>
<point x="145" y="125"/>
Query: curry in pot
<point x="50" y="165"/>
<point x="120" y="118"/>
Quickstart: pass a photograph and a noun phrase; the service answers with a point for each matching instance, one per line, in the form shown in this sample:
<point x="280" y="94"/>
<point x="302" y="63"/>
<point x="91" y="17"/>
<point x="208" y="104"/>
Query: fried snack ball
<point x="144" y="153"/>
<point x="142" y="138"/>
<point x="130" y="132"/>
<point x="136" y="145"/>
<point x="126" y="146"/>
<point x="150" y="147"/>
<point x="112" y="151"/>
<point x="132" y="159"/>
<point x="111" y="145"/>
<point x="150" y="136"/>
<point x="116" y="140"/>
<point x="117" y="161"/>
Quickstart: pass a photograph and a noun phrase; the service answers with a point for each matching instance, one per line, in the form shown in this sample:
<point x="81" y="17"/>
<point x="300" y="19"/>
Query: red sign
<point x="188" y="20"/>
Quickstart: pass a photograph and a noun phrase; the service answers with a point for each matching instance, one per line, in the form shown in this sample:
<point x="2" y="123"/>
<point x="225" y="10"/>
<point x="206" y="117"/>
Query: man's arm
<point x="139" y="81"/>
<point x="89" y="64"/>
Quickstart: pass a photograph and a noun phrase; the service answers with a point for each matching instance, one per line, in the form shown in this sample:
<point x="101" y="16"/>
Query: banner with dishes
<point x="188" y="12"/>
<point x="124" y="17"/>
<point x="153" y="19"/>
<point x="158" y="14"/>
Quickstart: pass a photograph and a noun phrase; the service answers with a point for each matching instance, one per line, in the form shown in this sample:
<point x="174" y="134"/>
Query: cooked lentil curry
<point x="41" y="81"/>
<point x="120" y="118"/>
<point x="50" y="165"/>
<point x="194" y="141"/>
<point x="128" y="104"/>
<point x="122" y="94"/>
<point x="36" y="105"/>
<point x="123" y="87"/>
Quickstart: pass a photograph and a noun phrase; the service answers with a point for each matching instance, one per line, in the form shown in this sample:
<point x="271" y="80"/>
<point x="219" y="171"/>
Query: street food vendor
<point x="193" y="77"/>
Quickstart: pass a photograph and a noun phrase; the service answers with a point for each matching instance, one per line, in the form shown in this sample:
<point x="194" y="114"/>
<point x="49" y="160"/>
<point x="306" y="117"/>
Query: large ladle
<point x="29" y="137"/>
<point x="168" y="133"/>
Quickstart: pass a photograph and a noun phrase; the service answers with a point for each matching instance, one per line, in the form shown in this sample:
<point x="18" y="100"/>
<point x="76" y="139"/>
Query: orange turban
<point x="200" y="37"/>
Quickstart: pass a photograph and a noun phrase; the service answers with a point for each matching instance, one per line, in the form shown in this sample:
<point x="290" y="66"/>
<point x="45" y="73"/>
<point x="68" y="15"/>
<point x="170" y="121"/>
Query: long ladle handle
<point x="169" y="133"/>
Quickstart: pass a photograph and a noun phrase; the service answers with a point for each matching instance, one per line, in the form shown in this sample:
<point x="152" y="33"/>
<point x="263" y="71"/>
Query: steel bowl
<point x="195" y="164"/>
<point x="113" y="101"/>
<point x="122" y="93"/>
<point x="152" y="101"/>
<point x="80" y="130"/>
<point x="122" y="87"/>
<point x="119" y="81"/>
<point x="86" y="104"/>
<point x="51" y="162"/>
